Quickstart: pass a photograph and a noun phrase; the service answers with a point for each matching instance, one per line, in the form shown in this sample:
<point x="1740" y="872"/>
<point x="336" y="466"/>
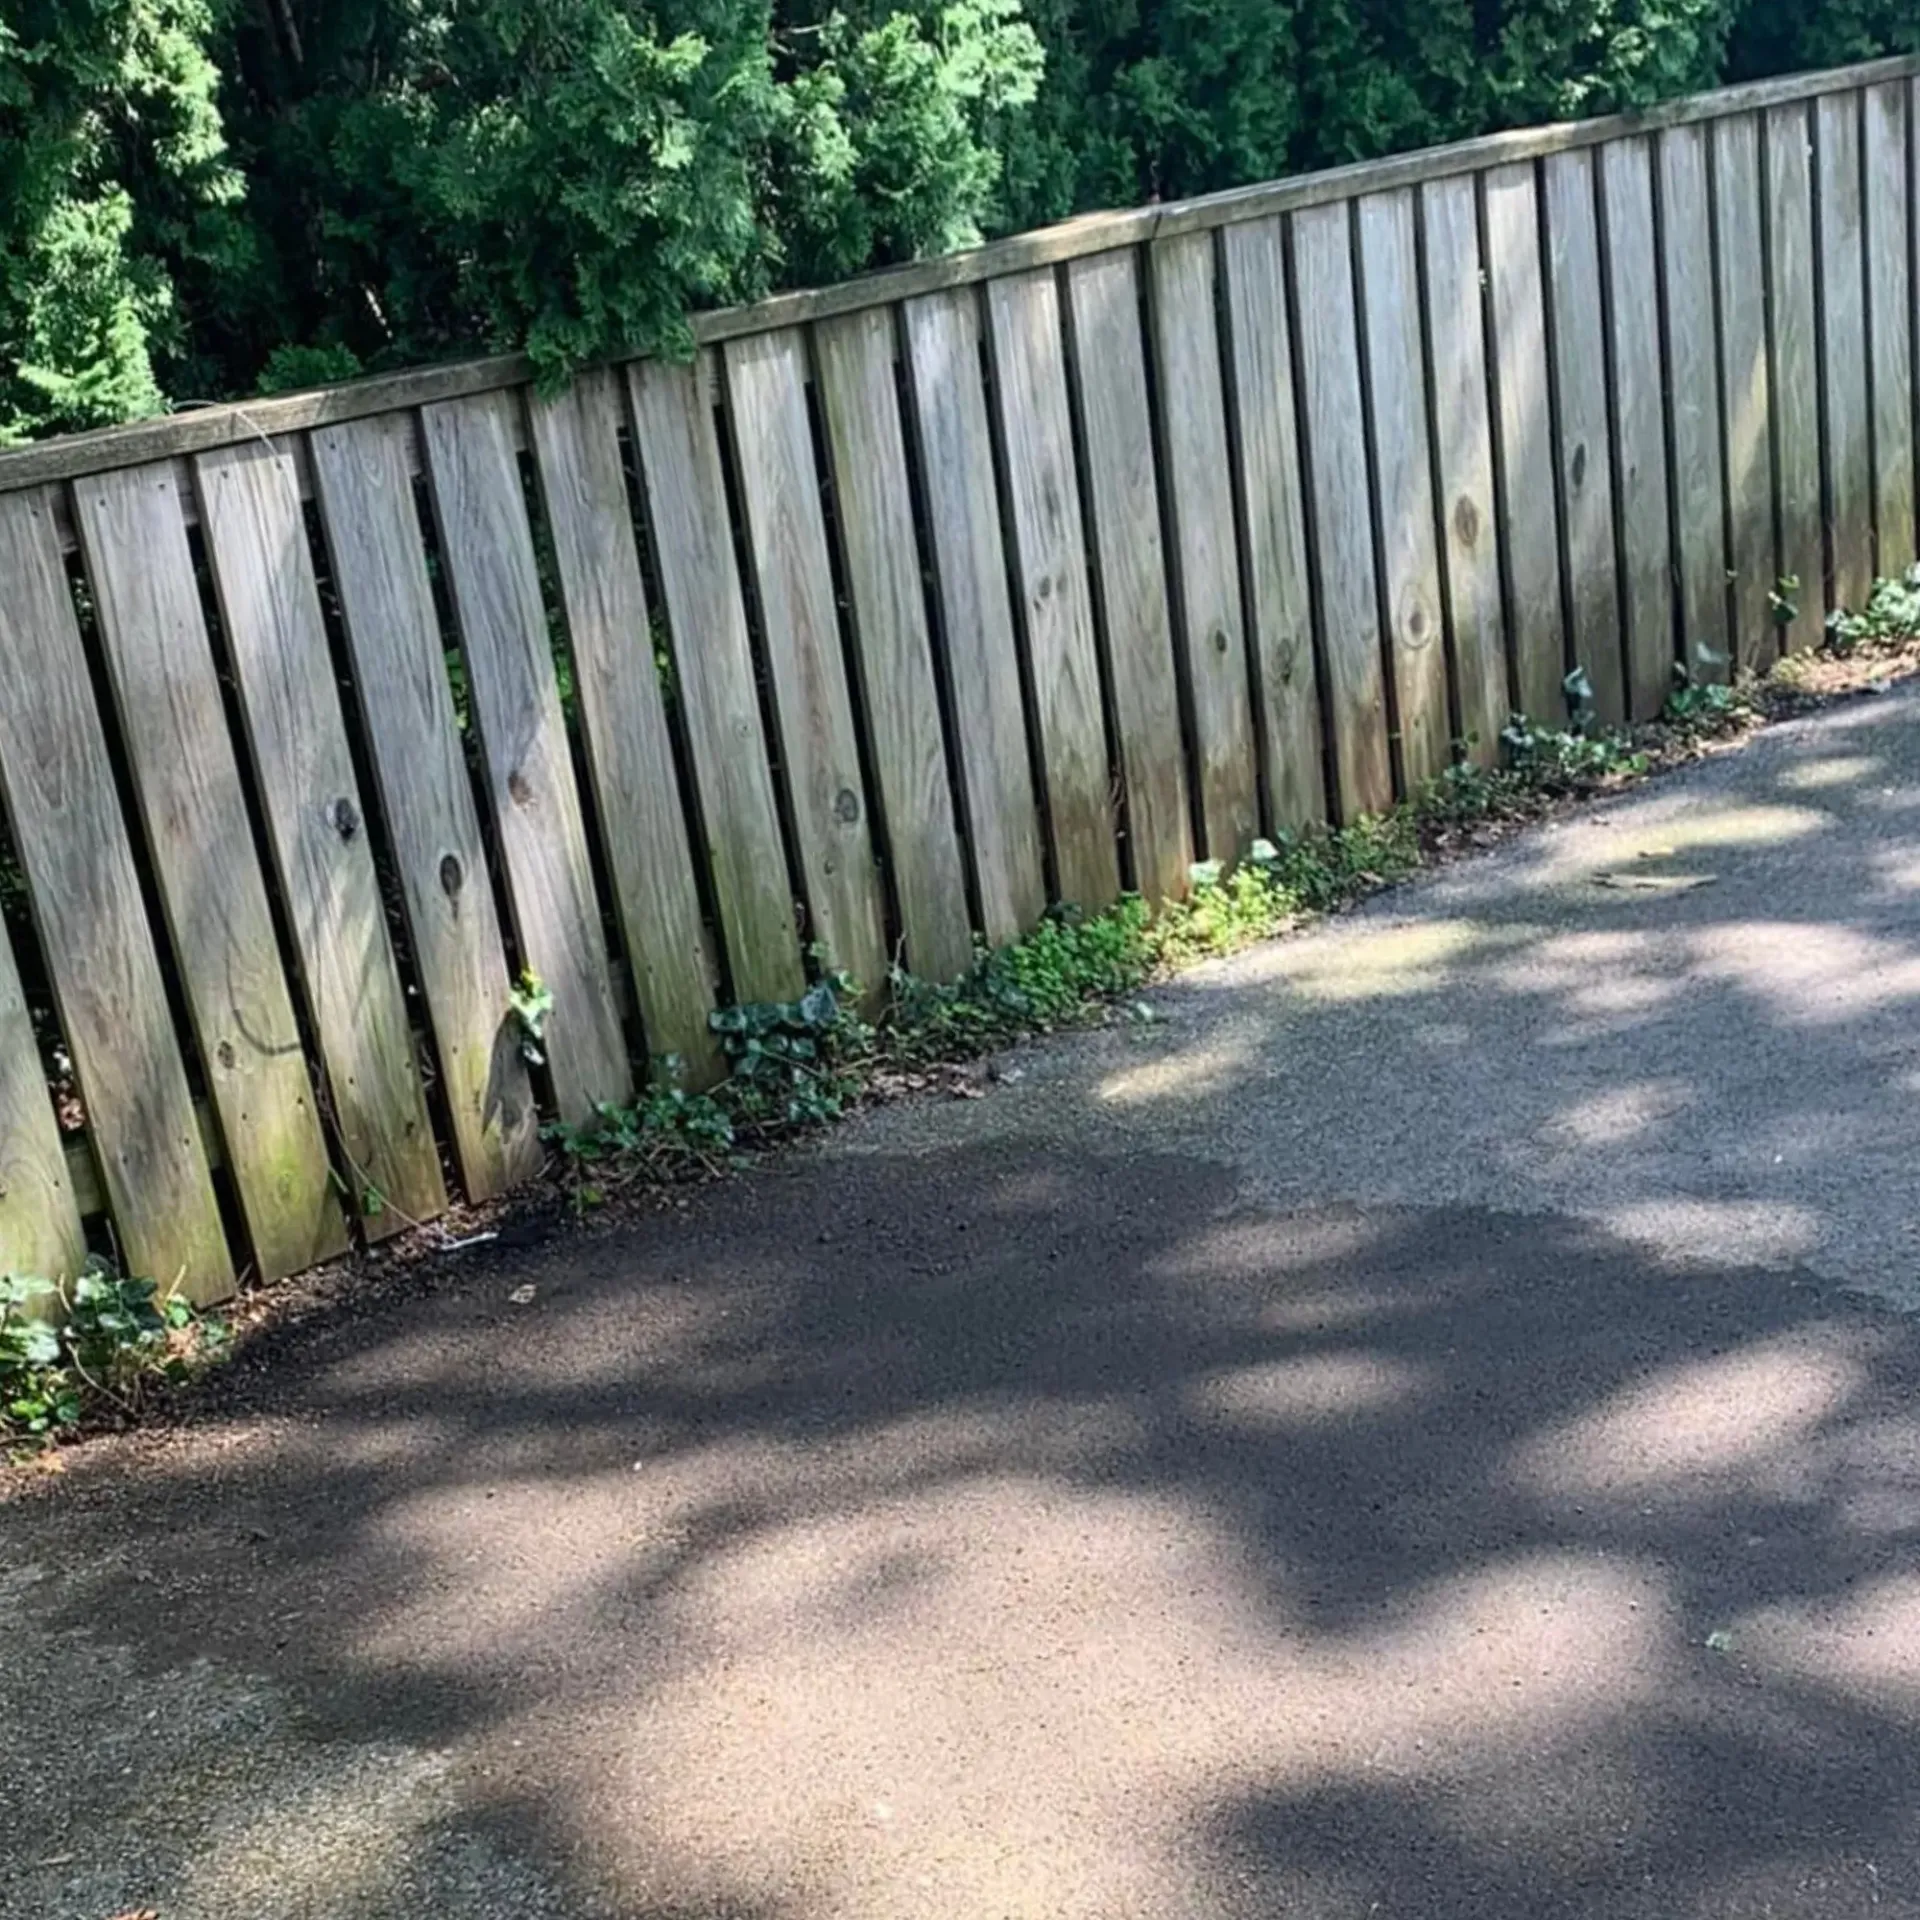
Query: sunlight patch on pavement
<point x="1733" y="1422"/>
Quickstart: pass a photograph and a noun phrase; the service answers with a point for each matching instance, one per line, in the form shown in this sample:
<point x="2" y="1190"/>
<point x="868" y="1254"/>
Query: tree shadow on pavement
<point x="1091" y="1512"/>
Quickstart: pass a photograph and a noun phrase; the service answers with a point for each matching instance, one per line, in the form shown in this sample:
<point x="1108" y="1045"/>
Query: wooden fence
<point x="1032" y="573"/>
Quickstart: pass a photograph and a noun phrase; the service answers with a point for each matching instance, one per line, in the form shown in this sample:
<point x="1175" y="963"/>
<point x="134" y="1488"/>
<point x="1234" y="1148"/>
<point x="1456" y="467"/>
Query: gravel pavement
<point x="1422" y="1425"/>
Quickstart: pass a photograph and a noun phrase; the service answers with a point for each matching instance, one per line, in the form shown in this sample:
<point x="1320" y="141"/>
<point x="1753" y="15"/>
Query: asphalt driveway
<point x="1425" y="1425"/>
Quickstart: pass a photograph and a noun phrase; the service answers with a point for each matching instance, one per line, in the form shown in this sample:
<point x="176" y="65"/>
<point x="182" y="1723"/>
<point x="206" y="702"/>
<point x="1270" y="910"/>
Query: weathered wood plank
<point x="623" y="721"/>
<point x="72" y="845"/>
<point x="363" y="480"/>
<point x="1889" y="270"/>
<point x="1463" y="439"/>
<point x="1342" y="532"/>
<point x="1848" y="433"/>
<point x="186" y="782"/>
<point x="1639" y="424"/>
<point x="1110" y="372"/>
<point x="303" y="768"/>
<point x="1693" y="404"/>
<point x="976" y="614"/>
<point x="1266" y="446"/>
<point x="687" y="502"/>
<point x="1043" y="513"/>
<point x="793" y="578"/>
<point x="1403" y="480"/>
<point x="1794" y="374"/>
<point x="1211" y="639"/>
<point x="892" y="649"/>
<point x="40" y="1232"/>
<point x="493" y="576"/>
<point x="1745" y="403"/>
<point x="1582" y="434"/>
<point x="1523" y="418"/>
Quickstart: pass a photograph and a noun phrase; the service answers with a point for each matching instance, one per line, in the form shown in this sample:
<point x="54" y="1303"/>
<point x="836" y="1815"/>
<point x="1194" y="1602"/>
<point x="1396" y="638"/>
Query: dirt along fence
<point x="906" y="607"/>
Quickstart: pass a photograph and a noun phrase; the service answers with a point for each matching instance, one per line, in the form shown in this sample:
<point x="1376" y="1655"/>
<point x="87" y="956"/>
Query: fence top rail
<point x="173" y="435"/>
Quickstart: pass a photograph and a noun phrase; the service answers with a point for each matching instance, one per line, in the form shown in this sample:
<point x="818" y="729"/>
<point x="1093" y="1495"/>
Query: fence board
<point x="187" y="784"/>
<point x="1793" y="340"/>
<point x="72" y="845"/>
<point x="1463" y="446"/>
<point x="249" y="498"/>
<point x="1889" y="325"/>
<point x="623" y="719"/>
<point x="40" y="1232"/>
<point x="493" y="577"/>
<point x="1523" y="420"/>
<point x="893" y="654"/>
<point x="1582" y="436"/>
<point x="976" y="625"/>
<point x="1693" y="412"/>
<point x="1211" y="639"/>
<point x="1110" y="372"/>
<point x="1847" y="433"/>
<point x="766" y="378"/>
<point x="687" y="500"/>
<point x="1639" y="424"/>
<point x="1043" y="512"/>
<point x="1344" y="583"/>
<point x="362" y="477"/>
<point x="1403" y="483"/>
<point x="1266" y="451"/>
<point x="1745" y="402"/>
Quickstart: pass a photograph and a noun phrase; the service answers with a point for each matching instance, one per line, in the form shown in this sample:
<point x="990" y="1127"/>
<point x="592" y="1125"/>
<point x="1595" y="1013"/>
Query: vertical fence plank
<point x="1344" y="582"/>
<point x="1583" y="437"/>
<point x="493" y="576"/>
<point x="623" y="720"/>
<point x="1110" y="372"/>
<point x="1693" y="402"/>
<point x="766" y="377"/>
<point x="1463" y="444"/>
<point x="40" y="1234"/>
<point x="1745" y="399"/>
<point x="963" y="516"/>
<point x="187" y="783"/>
<point x="72" y="844"/>
<point x="1206" y="567"/>
<point x="1889" y="324"/>
<point x="1793" y="340"/>
<point x="1847" y="430"/>
<point x="363" y="479"/>
<point x="893" y="655"/>
<point x="687" y="500"/>
<point x="1403" y="481"/>
<point x="1050" y="556"/>
<point x="1639" y="423"/>
<point x="257" y="552"/>
<point x="1529" y="534"/>
<point x="1266" y="450"/>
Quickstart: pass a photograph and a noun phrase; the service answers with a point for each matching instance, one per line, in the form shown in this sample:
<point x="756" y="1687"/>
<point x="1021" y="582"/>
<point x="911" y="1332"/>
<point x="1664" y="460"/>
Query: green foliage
<point x="790" y="1064"/>
<point x="1553" y="762"/>
<point x="113" y="179"/>
<point x="201" y="198"/>
<point x="1154" y="102"/>
<point x="98" y="1347"/>
<point x="1703" y="707"/>
<point x="1067" y="964"/>
<point x="530" y="1002"/>
<point x="1891" y="617"/>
